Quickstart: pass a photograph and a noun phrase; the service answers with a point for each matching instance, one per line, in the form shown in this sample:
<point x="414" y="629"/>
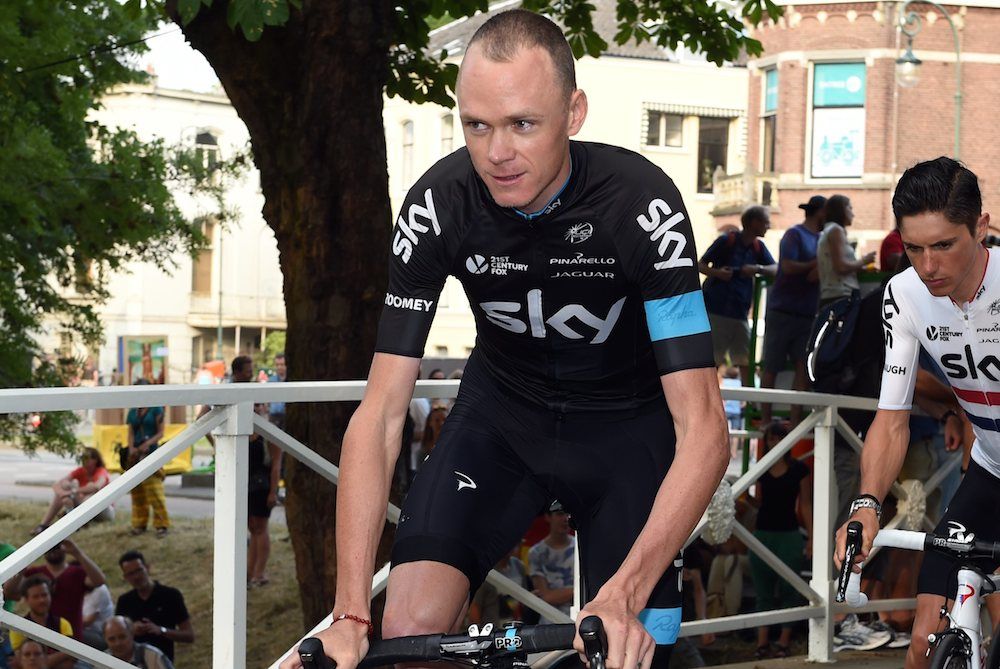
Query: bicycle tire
<point x="993" y="659"/>
<point x="948" y="654"/>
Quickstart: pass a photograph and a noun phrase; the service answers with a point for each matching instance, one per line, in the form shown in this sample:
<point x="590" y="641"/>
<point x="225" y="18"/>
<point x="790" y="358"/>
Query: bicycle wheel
<point x="993" y="659"/>
<point x="949" y="654"/>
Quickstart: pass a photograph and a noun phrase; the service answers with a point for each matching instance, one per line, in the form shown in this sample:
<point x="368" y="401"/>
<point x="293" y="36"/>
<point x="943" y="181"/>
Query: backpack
<point x="829" y="361"/>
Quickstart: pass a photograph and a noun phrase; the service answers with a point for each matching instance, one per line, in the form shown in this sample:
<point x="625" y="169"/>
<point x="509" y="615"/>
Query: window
<point x="206" y="149"/>
<point x="201" y="265"/>
<point x="663" y="129"/>
<point x="447" y="134"/>
<point x="713" y="148"/>
<point x="838" y="120"/>
<point x="769" y="120"/>
<point x="441" y="351"/>
<point x="407" y="154"/>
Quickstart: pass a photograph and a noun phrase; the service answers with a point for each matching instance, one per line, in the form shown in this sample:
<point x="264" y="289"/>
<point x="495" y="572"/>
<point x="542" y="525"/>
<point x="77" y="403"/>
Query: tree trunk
<point x="310" y="93"/>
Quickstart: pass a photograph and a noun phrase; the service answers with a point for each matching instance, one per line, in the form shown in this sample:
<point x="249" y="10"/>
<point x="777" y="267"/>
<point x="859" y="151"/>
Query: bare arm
<point x="183" y="633"/>
<point x="789" y="266"/>
<point x="841" y="263"/>
<point x="702" y="453"/>
<point x="720" y="273"/>
<point x="554" y="596"/>
<point x="94" y="574"/>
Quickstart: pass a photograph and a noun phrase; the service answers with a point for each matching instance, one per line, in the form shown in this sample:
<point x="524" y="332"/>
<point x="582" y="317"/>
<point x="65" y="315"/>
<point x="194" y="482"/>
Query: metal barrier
<point x="233" y="421"/>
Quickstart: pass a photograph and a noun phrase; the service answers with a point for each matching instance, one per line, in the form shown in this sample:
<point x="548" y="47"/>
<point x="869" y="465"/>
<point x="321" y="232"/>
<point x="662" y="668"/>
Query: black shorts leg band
<point x="439" y="549"/>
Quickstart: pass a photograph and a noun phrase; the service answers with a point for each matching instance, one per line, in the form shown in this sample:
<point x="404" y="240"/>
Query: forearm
<point x="884" y="451"/>
<point x="679" y="504"/>
<point x="367" y="460"/>
<point x="789" y="266"/>
<point x="556" y="596"/>
<point x="94" y="574"/>
<point x="182" y="634"/>
<point x="276" y="455"/>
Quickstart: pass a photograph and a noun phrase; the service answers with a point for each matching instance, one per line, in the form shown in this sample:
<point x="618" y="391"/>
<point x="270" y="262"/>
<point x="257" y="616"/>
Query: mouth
<point x="934" y="283"/>
<point x="507" y="180"/>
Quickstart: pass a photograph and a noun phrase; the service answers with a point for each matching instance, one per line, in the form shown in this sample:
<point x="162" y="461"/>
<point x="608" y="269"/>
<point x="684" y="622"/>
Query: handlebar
<point x="849" y="582"/>
<point x="481" y="647"/>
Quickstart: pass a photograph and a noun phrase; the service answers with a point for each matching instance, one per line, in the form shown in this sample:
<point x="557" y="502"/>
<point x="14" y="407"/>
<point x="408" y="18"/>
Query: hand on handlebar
<point x="629" y="644"/>
<point x="870" y="527"/>
<point x="346" y="643"/>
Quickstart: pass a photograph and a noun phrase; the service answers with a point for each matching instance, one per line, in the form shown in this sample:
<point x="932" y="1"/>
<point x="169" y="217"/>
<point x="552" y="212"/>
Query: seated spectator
<point x="97" y="609"/>
<point x="158" y="611"/>
<point x="37" y="594"/>
<point x="550" y="561"/>
<point x="68" y="581"/>
<point x="74" y="488"/>
<point x="31" y="655"/>
<point x="121" y="643"/>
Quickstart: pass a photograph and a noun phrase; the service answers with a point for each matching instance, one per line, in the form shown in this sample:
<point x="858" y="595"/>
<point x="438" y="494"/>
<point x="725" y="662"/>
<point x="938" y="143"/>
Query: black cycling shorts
<point x="976" y="506"/>
<point x="499" y="462"/>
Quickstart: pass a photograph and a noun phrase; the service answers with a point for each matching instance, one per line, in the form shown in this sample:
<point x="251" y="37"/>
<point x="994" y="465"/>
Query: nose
<point x="929" y="263"/>
<point x="500" y="147"/>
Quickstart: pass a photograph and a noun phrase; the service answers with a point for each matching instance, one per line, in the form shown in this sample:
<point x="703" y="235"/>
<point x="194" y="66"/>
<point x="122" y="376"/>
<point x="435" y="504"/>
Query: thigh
<point x="614" y="470"/>
<point x="975" y="508"/>
<point x="472" y="500"/>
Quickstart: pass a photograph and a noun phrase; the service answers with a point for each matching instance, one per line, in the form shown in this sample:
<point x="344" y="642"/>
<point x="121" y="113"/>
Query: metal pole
<point x="825" y="488"/>
<point x="229" y="614"/>
<point x="912" y="18"/>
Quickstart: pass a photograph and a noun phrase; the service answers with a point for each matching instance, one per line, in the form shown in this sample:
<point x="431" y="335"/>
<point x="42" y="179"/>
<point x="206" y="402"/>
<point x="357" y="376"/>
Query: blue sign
<point x="770" y="90"/>
<point x="839" y="85"/>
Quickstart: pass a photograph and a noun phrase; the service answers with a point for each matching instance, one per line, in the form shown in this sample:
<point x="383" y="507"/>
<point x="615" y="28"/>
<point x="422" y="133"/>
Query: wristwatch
<point x="946" y="415"/>
<point x="866" y="502"/>
<point x="163" y="631"/>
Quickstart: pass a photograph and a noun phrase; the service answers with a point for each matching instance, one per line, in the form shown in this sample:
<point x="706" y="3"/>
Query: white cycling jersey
<point x="963" y="339"/>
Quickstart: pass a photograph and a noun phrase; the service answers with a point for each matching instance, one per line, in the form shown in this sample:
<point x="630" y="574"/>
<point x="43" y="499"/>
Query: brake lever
<point x="595" y="641"/>
<point x="312" y="656"/>
<point x="852" y="546"/>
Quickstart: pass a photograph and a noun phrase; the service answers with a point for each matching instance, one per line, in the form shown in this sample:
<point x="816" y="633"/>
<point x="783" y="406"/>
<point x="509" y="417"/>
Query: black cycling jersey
<point x="576" y="308"/>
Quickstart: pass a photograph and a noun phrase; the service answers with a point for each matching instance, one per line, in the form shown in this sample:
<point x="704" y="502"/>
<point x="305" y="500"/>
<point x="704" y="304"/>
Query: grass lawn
<point x="184" y="560"/>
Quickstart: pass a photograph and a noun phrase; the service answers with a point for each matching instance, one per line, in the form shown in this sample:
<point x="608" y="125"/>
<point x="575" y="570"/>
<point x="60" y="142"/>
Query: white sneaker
<point x="854" y="635"/>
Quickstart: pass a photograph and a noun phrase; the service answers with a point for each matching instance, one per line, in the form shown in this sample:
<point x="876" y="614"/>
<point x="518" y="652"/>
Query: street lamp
<point x="908" y="65"/>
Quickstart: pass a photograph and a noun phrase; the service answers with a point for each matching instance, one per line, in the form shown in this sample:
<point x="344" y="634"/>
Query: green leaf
<point x="188" y="9"/>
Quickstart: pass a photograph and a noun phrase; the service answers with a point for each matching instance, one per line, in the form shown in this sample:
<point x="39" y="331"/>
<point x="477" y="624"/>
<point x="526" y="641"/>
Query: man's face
<point x="559" y="522"/>
<point x="136" y="573"/>
<point x="119" y="640"/>
<point x="56" y="555"/>
<point x="243" y="374"/>
<point x="517" y="125"/>
<point x="759" y="226"/>
<point x="943" y="253"/>
<point x="39" y="600"/>
<point x="280" y="368"/>
<point x="436" y="375"/>
<point x="31" y="655"/>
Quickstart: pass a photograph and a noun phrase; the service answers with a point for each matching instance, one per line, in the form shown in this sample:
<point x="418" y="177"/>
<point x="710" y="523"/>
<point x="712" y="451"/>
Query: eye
<point x="523" y="125"/>
<point x="475" y="126"/>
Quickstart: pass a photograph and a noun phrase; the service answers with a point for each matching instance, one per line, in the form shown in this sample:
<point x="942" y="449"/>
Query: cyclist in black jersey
<point x="592" y="380"/>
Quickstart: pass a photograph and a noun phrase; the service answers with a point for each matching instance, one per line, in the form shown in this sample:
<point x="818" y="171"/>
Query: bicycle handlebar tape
<point x="852" y="546"/>
<point x="905" y="539"/>
<point x="543" y="638"/>
<point x="404" y="649"/>
<point x="312" y="656"/>
<point x="854" y="596"/>
<point x="595" y="641"/>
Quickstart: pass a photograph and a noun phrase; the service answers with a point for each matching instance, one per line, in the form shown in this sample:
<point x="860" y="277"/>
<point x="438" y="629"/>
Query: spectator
<point x="837" y="262"/>
<point x="420" y="408"/>
<point x="31" y="655"/>
<point x="276" y="410"/>
<point x="68" y="581"/>
<point x="438" y="375"/>
<point x="9" y="604"/>
<point x="145" y="429"/>
<point x="432" y="429"/>
<point x="158" y="611"/>
<point x="97" y="609"/>
<point x="734" y="409"/>
<point x="37" y="594"/>
<point x="488" y="605"/>
<point x="782" y="487"/>
<point x="890" y="252"/>
<point x="262" y="491"/>
<point x="550" y="561"/>
<point x="76" y="487"/>
<point x="118" y="635"/>
<point x="792" y="302"/>
<point x="731" y="263"/>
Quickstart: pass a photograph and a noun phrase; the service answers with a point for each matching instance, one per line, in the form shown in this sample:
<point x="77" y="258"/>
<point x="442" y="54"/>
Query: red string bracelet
<point x="357" y="619"/>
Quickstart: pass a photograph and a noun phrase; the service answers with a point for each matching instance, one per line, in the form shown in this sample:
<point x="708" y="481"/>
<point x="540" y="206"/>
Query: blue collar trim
<point x="534" y="215"/>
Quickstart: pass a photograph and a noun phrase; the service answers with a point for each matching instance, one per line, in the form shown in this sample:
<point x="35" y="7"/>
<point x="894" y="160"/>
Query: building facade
<point x="826" y="114"/>
<point x="684" y="114"/>
<point x="166" y="324"/>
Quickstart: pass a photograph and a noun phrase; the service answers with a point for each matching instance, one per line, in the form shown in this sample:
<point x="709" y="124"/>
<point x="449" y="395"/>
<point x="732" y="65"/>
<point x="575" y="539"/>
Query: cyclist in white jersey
<point x="948" y="302"/>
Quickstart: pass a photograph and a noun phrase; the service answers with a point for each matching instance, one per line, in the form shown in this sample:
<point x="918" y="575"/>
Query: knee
<point x="402" y="619"/>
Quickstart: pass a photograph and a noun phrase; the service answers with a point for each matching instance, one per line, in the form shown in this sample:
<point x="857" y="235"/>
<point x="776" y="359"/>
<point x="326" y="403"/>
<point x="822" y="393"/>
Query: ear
<point x="982" y="226"/>
<point x="577" y="111"/>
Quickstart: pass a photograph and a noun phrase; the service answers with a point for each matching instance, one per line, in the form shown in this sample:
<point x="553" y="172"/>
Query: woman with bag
<point x="145" y="429"/>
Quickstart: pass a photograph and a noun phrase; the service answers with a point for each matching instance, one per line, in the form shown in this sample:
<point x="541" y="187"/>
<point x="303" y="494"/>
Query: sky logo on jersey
<point x="417" y="218"/>
<point x="989" y="366"/>
<point x="502" y="315"/>
<point x="890" y="308"/>
<point x="661" y="230"/>
<point x="677" y="316"/>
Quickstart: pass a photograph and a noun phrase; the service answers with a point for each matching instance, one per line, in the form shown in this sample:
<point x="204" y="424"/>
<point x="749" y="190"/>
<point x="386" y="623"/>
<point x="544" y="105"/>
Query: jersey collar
<point x="548" y="205"/>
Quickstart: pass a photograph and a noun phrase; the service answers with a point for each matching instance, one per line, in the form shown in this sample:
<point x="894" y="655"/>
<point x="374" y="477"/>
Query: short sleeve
<point x="535" y="566"/>
<point x="791" y="245"/>
<point x="713" y="254"/>
<point x="657" y="247"/>
<point x="418" y="267"/>
<point x="764" y="257"/>
<point x="902" y="349"/>
<point x="180" y="609"/>
<point x="65" y="628"/>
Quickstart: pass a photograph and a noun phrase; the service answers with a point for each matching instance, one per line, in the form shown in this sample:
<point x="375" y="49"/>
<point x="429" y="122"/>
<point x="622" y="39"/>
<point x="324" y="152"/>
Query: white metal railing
<point x="233" y="421"/>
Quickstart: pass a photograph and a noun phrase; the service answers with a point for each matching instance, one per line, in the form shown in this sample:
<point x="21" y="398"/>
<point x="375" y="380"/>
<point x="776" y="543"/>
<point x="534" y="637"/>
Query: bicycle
<point x="486" y="648"/>
<point x="961" y="645"/>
